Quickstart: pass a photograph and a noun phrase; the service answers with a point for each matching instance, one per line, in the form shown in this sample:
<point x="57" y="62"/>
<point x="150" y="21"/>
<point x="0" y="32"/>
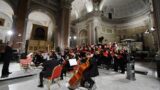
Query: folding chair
<point x="25" y="63"/>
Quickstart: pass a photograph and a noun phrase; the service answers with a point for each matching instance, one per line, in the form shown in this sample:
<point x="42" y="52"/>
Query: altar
<point x="39" y="45"/>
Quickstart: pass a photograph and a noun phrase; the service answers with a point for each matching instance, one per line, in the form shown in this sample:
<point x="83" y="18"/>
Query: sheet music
<point x="73" y="62"/>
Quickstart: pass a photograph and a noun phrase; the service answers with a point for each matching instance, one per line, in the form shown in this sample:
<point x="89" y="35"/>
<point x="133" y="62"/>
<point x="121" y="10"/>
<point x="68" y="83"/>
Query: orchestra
<point x="89" y="58"/>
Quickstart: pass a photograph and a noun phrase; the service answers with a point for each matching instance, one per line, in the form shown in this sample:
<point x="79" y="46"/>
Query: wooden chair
<point x="56" y="73"/>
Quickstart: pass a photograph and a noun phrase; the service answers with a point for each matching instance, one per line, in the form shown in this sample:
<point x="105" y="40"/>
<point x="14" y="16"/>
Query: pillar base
<point x="157" y="58"/>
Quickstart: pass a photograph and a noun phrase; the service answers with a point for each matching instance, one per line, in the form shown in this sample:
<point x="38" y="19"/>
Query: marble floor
<point x="107" y="80"/>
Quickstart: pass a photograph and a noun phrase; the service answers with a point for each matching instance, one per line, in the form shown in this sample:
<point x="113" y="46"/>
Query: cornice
<point x="87" y="16"/>
<point x="126" y="19"/>
<point x="54" y="7"/>
<point x="112" y="21"/>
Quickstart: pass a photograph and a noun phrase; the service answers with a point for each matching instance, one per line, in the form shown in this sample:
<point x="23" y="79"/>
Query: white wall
<point x="102" y="27"/>
<point x="7" y="26"/>
<point x="6" y="13"/>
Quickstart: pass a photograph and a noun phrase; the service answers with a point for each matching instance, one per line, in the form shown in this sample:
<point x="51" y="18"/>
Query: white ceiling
<point x="39" y="16"/>
<point x="118" y="8"/>
<point x="81" y="7"/>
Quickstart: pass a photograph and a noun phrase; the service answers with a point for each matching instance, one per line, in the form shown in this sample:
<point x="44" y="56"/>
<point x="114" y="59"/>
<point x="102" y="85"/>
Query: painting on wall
<point x="2" y="21"/>
<point x="39" y="32"/>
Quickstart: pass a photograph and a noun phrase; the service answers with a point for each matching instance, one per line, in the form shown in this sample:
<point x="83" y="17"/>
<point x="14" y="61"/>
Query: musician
<point x="119" y="62"/>
<point x="115" y="55"/>
<point x="48" y="67"/>
<point x="91" y="71"/>
<point x="38" y="59"/>
<point x="64" y="69"/>
<point x="107" y="58"/>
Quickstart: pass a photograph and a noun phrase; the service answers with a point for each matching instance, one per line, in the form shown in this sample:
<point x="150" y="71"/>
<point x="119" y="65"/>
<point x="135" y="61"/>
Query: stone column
<point x="94" y="26"/>
<point x="65" y="23"/>
<point x="92" y="31"/>
<point x="20" y="23"/>
<point x="156" y="8"/>
<point x="14" y="17"/>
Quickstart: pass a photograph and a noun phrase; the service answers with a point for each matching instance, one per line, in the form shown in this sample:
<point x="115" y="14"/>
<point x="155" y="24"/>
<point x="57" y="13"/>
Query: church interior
<point x="102" y="30"/>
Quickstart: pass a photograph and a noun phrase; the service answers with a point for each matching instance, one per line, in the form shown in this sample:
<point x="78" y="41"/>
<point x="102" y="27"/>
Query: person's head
<point x="88" y="54"/>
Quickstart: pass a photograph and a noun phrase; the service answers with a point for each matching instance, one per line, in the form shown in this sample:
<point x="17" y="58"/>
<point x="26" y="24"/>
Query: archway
<point x="40" y="29"/>
<point x="83" y="37"/>
<point x="6" y="14"/>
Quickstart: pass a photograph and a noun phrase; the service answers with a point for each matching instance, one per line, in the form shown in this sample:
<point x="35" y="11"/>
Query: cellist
<point x="91" y="71"/>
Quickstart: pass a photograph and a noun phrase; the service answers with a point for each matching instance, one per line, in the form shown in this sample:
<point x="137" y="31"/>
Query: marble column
<point x="20" y="23"/>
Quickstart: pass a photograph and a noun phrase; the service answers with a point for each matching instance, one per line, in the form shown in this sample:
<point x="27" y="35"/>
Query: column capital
<point x="67" y="4"/>
<point x="96" y="4"/>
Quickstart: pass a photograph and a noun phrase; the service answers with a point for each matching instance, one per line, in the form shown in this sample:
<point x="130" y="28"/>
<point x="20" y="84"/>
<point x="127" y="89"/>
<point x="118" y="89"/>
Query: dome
<point x="118" y="8"/>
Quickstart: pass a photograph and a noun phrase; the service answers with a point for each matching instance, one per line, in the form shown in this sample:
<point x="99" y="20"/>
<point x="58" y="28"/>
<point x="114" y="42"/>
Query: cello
<point x="74" y="81"/>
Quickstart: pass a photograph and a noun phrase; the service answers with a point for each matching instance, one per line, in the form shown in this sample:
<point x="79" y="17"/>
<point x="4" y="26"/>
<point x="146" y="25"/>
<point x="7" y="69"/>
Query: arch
<point x="83" y="37"/>
<point x="42" y="9"/>
<point x="6" y="18"/>
<point x="6" y="8"/>
<point x="50" y="21"/>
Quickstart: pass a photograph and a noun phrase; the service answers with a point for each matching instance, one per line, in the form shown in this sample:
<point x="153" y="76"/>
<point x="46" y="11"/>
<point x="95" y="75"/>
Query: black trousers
<point x="116" y="65"/>
<point x="89" y="80"/>
<point x="42" y="75"/>
<point x="5" y="68"/>
<point x="64" y="71"/>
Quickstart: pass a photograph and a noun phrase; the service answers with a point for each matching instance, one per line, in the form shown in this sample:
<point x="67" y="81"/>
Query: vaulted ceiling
<point x="118" y="8"/>
<point x="6" y="9"/>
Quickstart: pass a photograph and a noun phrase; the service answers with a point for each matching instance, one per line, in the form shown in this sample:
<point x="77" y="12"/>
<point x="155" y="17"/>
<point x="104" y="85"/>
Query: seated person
<point x="48" y="67"/>
<point x="38" y="59"/>
<point x="87" y="74"/>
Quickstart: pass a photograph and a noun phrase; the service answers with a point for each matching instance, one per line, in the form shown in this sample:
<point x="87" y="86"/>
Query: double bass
<point x="74" y="81"/>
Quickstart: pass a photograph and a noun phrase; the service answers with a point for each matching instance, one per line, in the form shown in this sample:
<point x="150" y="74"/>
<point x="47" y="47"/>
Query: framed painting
<point x="39" y="32"/>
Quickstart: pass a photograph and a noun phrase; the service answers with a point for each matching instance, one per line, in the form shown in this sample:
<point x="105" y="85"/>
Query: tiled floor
<point x="14" y="66"/>
<point x="107" y="80"/>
